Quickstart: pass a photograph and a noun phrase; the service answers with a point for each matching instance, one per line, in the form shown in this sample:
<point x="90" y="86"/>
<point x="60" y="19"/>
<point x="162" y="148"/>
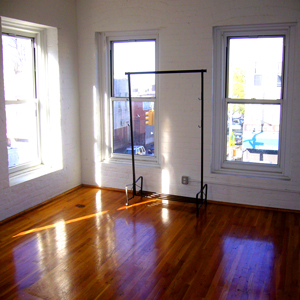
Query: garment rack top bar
<point x="167" y="72"/>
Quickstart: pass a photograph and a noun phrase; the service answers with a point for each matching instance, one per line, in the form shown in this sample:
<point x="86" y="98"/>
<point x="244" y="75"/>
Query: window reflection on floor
<point x="253" y="258"/>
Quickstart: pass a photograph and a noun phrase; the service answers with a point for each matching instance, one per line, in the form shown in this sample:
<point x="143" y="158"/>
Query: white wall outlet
<point x="185" y="180"/>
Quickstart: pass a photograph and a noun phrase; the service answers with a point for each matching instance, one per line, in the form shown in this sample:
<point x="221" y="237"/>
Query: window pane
<point x="135" y="56"/>
<point x="22" y="141"/>
<point x="143" y="134"/>
<point x="253" y="133"/>
<point x="18" y="67"/>
<point x="255" y="68"/>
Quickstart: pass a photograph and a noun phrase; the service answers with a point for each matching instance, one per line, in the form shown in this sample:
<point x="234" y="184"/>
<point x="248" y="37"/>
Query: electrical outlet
<point x="185" y="180"/>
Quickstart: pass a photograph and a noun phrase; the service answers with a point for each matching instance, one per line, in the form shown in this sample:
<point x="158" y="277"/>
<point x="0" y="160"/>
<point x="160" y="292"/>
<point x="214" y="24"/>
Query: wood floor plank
<point x="87" y="245"/>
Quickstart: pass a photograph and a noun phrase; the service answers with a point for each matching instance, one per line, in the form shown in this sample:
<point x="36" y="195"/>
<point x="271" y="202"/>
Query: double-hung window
<point x="21" y="102"/>
<point x="250" y="104"/>
<point x="132" y="54"/>
<point x="32" y="98"/>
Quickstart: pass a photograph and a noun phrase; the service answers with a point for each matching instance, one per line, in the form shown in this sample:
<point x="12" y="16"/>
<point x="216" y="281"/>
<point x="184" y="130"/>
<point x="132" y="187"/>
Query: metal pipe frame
<point x="203" y="188"/>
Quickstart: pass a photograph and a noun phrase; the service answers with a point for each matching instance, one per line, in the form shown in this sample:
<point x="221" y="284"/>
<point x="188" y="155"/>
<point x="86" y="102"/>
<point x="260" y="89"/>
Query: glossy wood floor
<point x="85" y="245"/>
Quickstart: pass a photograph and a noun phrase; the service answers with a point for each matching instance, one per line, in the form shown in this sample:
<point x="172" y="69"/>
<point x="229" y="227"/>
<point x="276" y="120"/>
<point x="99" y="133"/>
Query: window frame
<point x="220" y="102"/>
<point x="105" y="69"/>
<point x="35" y="37"/>
<point x="47" y="95"/>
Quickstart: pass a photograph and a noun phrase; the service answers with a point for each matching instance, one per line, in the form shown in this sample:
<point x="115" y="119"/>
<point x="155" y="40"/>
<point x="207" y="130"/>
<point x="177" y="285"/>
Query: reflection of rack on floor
<point x="202" y="194"/>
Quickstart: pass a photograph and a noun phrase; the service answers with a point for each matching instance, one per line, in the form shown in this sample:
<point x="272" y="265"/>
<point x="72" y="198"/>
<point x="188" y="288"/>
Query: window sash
<point x="249" y="165"/>
<point x="34" y="35"/>
<point x="255" y="37"/>
<point x="32" y="67"/>
<point x="37" y="161"/>
<point x="126" y="156"/>
<point x="112" y="64"/>
<point x="236" y="165"/>
<point x="247" y="101"/>
<point x="145" y="159"/>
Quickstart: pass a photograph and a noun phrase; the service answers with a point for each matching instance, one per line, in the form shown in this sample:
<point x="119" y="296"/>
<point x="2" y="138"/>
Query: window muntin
<point x="22" y="113"/>
<point x="136" y="55"/>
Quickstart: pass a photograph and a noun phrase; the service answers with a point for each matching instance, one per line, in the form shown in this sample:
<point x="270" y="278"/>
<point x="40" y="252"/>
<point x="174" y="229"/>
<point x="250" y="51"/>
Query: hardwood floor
<point x="87" y="245"/>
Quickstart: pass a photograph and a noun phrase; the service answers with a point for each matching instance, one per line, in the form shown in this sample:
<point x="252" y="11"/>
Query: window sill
<point x="252" y="174"/>
<point x="29" y="174"/>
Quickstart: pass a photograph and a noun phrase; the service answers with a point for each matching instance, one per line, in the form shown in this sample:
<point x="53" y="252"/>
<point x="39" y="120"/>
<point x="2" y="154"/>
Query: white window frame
<point x="219" y="141"/>
<point x="36" y="36"/>
<point x="47" y="98"/>
<point x="106" y="100"/>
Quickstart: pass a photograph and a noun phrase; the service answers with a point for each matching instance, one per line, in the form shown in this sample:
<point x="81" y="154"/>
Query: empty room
<point x="150" y="149"/>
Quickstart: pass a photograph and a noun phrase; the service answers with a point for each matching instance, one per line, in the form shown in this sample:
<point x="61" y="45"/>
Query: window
<point x="251" y="100"/>
<point x="132" y="54"/>
<point x="257" y="74"/>
<point x="30" y="67"/>
<point x="21" y="104"/>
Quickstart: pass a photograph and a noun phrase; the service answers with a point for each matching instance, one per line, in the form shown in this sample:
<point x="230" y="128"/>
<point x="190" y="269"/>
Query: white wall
<point x="60" y="14"/>
<point x="185" y="42"/>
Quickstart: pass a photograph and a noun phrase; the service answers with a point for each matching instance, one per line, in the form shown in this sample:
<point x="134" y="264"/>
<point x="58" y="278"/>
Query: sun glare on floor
<point x="59" y="224"/>
<point x="138" y="204"/>
<point x="165" y="215"/>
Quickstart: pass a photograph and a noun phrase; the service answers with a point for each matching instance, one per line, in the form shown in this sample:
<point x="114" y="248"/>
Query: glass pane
<point x="255" y="68"/>
<point x="135" y="56"/>
<point x="253" y="133"/>
<point x="22" y="142"/>
<point x="143" y="134"/>
<point x="18" y="67"/>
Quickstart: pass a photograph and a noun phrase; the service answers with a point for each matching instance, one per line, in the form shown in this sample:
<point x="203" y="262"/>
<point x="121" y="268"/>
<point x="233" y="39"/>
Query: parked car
<point x="138" y="150"/>
<point x="238" y="138"/>
<point x="151" y="150"/>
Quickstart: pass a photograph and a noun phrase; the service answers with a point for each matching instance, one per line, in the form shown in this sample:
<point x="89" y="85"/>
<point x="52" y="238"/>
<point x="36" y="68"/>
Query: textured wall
<point x="60" y="14"/>
<point x="185" y="41"/>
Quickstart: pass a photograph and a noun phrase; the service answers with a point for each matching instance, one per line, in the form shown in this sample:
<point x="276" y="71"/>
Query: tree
<point x="239" y="83"/>
<point x="239" y="108"/>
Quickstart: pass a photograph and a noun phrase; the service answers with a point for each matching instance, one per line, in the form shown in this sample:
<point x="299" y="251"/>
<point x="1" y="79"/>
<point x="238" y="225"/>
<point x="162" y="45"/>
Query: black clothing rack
<point x="202" y="194"/>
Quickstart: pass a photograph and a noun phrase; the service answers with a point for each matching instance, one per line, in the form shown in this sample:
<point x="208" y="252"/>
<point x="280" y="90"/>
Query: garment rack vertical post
<point x="202" y="194"/>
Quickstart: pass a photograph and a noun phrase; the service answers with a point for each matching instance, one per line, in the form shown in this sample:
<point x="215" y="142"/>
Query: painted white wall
<point x="185" y="42"/>
<point x="62" y="15"/>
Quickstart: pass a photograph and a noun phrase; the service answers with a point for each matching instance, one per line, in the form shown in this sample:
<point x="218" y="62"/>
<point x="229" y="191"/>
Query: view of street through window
<point x="133" y="56"/>
<point x="254" y="89"/>
<point x="20" y="100"/>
